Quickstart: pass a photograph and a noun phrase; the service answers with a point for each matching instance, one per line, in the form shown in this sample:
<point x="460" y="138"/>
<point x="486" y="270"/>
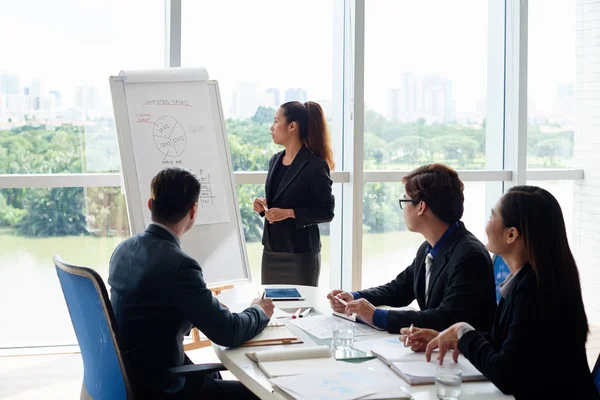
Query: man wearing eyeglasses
<point x="451" y="277"/>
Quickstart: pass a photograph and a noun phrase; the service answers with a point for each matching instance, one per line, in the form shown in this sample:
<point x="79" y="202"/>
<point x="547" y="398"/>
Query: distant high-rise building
<point x="437" y="99"/>
<point x="35" y="89"/>
<point x="406" y="102"/>
<point x="57" y="98"/>
<point x="9" y="84"/>
<point x="87" y="99"/>
<point x="296" y="94"/>
<point x="274" y="99"/>
<point x="429" y="98"/>
<point x="245" y="100"/>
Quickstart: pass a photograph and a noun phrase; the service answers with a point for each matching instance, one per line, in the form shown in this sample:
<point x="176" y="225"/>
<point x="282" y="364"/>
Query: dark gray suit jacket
<point x="158" y="293"/>
<point x="461" y="287"/>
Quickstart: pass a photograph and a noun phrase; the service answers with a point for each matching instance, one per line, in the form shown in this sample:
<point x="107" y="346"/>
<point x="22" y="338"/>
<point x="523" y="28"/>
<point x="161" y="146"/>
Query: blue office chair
<point x="105" y="372"/>
<point x="501" y="271"/>
<point x="596" y="374"/>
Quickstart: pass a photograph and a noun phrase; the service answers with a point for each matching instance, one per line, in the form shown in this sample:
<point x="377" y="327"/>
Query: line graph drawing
<point x="169" y="136"/>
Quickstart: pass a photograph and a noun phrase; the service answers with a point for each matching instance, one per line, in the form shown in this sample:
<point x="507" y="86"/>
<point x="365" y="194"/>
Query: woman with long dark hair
<point x="536" y="348"/>
<point x="298" y="195"/>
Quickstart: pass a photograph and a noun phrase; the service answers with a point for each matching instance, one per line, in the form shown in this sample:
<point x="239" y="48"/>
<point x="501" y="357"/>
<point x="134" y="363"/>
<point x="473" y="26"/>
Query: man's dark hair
<point x="440" y="188"/>
<point x="174" y="192"/>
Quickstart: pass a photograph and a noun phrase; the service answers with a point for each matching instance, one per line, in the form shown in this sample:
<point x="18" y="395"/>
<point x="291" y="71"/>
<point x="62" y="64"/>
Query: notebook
<point x="283" y="294"/>
<point x="390" y="349"/>
<point x="273" y="334"/>
<point x="423" y="372"/>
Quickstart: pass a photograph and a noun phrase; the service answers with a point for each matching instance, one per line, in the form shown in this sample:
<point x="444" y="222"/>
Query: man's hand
<point x="445" y="341"/>
<point x="334" y="302"/>
<point x="419" y="339"/>
<point x="362" y="308"/>
<point x="259" y="205"/>
<point x="279" y="214"/>
<point x="266" y="304"/>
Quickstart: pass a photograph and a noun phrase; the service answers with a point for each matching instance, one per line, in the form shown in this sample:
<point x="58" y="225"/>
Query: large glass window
<point x="551" y="114"/>
<point x="81" y="225"/>
<point x="425" y="83"/>
<point x="260" y="63"/>
<point x="55" y="107"/>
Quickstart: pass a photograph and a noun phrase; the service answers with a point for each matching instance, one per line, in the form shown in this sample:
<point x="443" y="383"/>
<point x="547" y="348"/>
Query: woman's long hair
<point x="537" y="216"/>
<point x="312" y="128"/>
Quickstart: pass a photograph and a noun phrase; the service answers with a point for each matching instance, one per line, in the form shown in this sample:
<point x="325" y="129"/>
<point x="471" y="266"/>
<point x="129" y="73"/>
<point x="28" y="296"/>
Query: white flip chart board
<point x="174" y="117"/>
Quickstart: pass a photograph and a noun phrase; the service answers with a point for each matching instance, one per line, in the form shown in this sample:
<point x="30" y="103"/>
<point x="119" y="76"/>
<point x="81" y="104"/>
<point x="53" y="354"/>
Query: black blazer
<point x="461" y="287"/>
<point x="306" y="188"/>
<point x="529" y="357"/>
<point x="157" y="294"/>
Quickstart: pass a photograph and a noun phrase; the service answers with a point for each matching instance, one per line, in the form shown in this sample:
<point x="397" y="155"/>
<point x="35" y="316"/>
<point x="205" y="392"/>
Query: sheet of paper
<point x="350" y="381"/>
<point x="298" y="367"/>
<point x="171" y="125"/>
<point x="322" y="326"/>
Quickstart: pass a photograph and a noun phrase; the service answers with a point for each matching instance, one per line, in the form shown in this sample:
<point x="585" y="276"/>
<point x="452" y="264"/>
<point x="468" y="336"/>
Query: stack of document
<point x="347" y="382"/>
<point x="411" y="366"/>
<point x="389" y="350"/>
<point x="422" y="372"/>
<point x="298" y="361"/>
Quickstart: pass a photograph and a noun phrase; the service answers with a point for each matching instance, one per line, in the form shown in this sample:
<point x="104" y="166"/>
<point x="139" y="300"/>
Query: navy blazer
<point x="461" y="287"/>
<point x="157" y="294"/>
<point x="527" y="356"/>
<point x="305" y="188"/>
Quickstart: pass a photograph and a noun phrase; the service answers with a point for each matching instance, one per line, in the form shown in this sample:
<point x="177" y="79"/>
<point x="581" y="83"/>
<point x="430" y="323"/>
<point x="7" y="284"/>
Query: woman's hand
<point x="445" y="341"/>
<point x="418" y="339"/>
<point x="259" y="205"/>
<point x="279" y="214"/>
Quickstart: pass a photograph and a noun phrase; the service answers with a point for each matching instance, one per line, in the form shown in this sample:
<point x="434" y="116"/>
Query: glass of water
<point x="448" y="379"/>
<point x="342" y="341"/>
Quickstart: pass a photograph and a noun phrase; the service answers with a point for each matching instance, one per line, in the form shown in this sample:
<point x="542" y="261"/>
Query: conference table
<point x="248" y="372"/>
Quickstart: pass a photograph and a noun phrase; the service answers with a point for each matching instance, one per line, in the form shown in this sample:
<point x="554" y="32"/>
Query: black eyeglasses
<point x="400" y="201"/>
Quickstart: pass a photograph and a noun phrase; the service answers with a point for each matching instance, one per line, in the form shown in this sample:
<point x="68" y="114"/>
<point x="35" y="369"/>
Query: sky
<point x="279" y="43"/>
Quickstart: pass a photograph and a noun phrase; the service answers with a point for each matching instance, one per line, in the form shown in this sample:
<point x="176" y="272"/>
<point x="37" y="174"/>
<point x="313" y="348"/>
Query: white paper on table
<point x="350" y="381"/>
<point x="172" y="126"/>
<point x="322" y="326"/>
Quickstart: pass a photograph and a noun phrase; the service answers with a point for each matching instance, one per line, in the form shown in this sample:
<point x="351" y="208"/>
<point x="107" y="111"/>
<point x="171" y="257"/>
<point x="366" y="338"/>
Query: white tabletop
<point x="248" y="372"/>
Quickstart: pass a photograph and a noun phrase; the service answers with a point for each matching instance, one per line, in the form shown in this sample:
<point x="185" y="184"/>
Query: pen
<point x="263" y="295"/>
<point x="342" y="301"/>
<point x="305" y="312"/>
<point x="410" y="331"/>
<point x="297" y="313"/>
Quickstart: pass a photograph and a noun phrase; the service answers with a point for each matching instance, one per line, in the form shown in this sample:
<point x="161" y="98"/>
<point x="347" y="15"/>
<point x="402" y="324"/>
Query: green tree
<point x="263" y="115"/>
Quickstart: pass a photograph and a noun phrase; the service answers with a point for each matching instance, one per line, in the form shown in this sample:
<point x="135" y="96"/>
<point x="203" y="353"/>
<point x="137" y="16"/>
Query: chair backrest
<point x="105" y="374"/>
<point x="501" y="271"/>
<point x="596" y="374"/>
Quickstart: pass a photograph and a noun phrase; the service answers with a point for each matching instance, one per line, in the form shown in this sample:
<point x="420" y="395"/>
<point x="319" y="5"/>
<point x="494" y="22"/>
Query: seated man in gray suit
<point x="451" y="277"/>
<point x="158" y="293"/>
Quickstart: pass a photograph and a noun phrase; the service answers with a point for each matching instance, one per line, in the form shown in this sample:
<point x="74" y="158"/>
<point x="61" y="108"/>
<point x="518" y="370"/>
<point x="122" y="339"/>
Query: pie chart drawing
<point x="169" y="136"/>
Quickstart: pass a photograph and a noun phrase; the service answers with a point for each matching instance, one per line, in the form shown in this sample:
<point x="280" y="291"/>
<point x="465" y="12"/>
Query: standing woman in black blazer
<point x="298" y="191"/>
<point x="536" y="349"/>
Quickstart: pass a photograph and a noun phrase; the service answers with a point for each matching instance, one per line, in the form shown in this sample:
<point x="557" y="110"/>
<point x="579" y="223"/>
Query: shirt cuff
<point x="260" y="309"/>
<point x="356" y="295"/>
<point x="380" y="318"/>
<point x="464" y="329"/>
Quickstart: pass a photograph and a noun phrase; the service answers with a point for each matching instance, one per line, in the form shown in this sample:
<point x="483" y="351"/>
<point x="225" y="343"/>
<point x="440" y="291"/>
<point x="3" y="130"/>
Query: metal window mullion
<point x="173" y="33"/>
<point x="515" y="155"/>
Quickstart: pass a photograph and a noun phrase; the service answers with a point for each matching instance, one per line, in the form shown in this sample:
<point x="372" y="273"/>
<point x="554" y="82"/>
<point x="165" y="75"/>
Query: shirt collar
<point x="166" y="228"/>
<point x="436" y="249"/>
